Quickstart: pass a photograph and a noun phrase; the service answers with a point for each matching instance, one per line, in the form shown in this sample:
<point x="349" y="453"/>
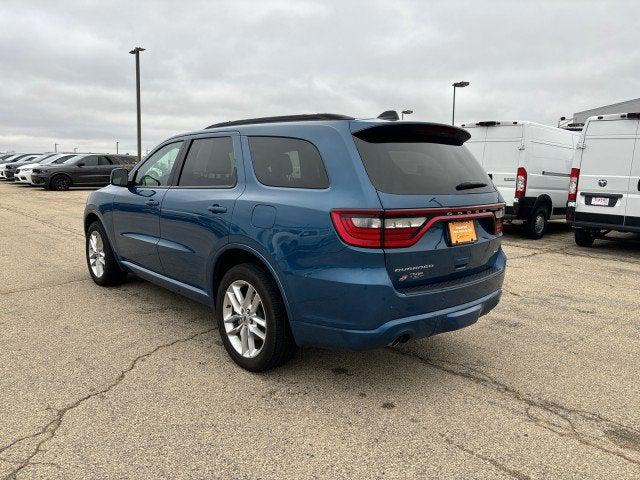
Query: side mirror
<point x="120" y="177"/>
<point x="81" y="164"/>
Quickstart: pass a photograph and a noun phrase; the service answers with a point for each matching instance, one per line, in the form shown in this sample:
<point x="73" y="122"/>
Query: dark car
<point x="318" y="230"/>
<point x="88" y="169"/>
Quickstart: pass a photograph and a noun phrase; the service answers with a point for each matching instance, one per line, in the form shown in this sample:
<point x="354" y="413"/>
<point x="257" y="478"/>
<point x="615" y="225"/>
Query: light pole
<point x="405" y="112"/>
<point x="136" y="51"/>
<point x="117" y="147"/>
<point x="453" y="112"/>
<point x="55" y="147"/>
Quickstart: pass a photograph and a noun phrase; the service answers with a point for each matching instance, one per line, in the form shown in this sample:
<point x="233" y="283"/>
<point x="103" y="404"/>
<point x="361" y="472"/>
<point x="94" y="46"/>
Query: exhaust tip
<point x="404" y="338"/>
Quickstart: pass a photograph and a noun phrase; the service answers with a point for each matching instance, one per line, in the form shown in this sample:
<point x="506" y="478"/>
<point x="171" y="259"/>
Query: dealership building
<point x="622" y="107"/>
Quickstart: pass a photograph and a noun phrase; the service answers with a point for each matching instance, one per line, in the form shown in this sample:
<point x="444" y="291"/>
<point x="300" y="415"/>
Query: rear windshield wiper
<point x="470" y="185"/>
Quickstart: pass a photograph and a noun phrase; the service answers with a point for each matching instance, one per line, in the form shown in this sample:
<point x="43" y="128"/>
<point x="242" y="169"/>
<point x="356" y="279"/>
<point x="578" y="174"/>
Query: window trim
<point x="176" y="183"/>
<point x="322" y="162"/>
<point x="139" y="165"/>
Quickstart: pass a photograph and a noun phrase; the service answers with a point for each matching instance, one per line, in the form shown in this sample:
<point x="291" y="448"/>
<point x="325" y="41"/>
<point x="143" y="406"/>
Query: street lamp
<point x="136" y="51"/>
<point x="406" y="112"/>
<point x="453" y="112"/>
<point x="117" y="146"/>
<point x="55" y="147"/>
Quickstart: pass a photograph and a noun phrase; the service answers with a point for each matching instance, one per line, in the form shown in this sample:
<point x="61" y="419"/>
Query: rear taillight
<point x="573" y="184"/>
<point x="402" y="228"/>
<point x="521" y="182"/>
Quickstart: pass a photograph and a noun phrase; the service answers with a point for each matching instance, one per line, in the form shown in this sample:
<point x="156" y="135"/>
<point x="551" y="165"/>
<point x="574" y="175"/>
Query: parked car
<point x="316" y="230"/>
<point x="23" y="173"/>
<point x="604" y="193"/>
<point x="13" y="159"/>
<point x="10" y="169"/>
<point x="530" y="165"/>
<point x="88" y="169"/>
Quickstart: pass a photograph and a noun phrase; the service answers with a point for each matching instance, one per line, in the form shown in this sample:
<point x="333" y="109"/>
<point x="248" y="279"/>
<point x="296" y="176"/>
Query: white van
<point x="530" y="165"/>
<point x="604" y="194"/>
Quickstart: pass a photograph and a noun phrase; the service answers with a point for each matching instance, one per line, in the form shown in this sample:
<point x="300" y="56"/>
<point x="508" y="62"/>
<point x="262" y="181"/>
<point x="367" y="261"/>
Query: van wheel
<point x="584" y="238"/>
<point x="252" y="319"/>
<point x="536" y="226"/>
<point x="102" y="263"/>
<point x="60" y="183"/>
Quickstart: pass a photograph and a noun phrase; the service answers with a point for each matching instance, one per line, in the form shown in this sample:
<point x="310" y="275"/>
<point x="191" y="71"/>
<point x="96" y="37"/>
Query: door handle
<point x="152" y="203"/>
<point x="639" y="185"/>
<point x="217" y="209"/>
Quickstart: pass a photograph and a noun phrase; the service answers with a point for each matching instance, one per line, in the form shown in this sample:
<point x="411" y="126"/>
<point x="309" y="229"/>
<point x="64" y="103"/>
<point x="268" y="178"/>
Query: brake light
<point x="403" y="228"/>
<point x="573" y="184"/>
<point x="521" y="182"/>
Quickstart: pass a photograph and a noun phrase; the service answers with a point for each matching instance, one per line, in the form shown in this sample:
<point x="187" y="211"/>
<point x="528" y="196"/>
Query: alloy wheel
<point x="244" y="318"/>
<point x="96" y="254"/>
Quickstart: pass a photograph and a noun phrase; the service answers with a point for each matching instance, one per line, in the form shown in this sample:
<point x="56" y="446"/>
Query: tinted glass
<point x="156" y="170"/>
<point x="63" y="159"/>
<point x="287" y="162"/>
<point x="90" y="161"/>
<point x="209" y="163"/>
<point x="104" y="161"/>
<point x="422" y="168"/>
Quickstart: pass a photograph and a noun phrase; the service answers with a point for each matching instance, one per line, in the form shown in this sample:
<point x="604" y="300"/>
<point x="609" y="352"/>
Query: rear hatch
<point x="603" y="186"/>
<point x="442" y="216"/>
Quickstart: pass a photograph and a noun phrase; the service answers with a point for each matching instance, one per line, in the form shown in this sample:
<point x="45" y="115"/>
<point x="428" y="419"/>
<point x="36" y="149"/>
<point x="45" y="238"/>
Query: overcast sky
<point x="67" y="77"/>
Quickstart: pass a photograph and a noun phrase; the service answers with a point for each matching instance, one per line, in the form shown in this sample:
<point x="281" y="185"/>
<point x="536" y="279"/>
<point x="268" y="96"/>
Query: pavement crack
<point x="31" y="289"/>
<point x="590" y="429"/>
<point x="513" y="473"/>
<point x="49" y="430"/>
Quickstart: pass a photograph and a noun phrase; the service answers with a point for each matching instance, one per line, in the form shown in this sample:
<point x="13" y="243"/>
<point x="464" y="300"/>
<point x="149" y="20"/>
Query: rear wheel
<point x="60" y="183"/>
<point x="536" y="226"/>
<point x="584" y="238"/>
<point x="252" y="319"/>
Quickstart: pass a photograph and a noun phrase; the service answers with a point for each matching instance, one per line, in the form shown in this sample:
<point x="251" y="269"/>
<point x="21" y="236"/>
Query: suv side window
<point x="104" y="161"/>
<point x="155" y="171"/>
<point x="209" y="163"/>
<point x="287" y="162"/>
<point x="90" y="161"/>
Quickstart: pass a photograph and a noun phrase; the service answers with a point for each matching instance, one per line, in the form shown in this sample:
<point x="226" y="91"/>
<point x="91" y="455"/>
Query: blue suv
<point x="319" y="230"/>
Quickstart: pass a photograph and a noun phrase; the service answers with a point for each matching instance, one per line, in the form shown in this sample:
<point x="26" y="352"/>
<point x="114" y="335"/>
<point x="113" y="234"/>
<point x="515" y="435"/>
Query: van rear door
<point x="440" y="207"/>
<point x="503" y="154"/>
<point x="607" y="154"/>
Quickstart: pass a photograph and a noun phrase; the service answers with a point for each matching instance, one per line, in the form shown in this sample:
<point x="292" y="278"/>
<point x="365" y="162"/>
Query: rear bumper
<point x="368" y="312"/>
<point x="602" y="221"/>
<point x="418" y="326"/>
<point x="521" y="209"/>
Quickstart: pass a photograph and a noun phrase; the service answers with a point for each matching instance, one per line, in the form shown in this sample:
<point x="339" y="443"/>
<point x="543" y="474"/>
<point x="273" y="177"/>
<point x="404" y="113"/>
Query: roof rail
<point x="284" y="118"/>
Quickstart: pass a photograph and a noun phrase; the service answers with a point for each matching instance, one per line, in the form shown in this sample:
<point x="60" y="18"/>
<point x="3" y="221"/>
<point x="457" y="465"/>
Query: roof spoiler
<point x="414" y="133"/>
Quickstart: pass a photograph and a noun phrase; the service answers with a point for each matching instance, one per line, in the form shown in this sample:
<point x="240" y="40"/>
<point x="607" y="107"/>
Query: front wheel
<point x="584" y="238"/>
<point x="536" y="226"/>
<point x="102" y="263"/>
<point x="252" y="319"/>
<point x="60" y="183"/>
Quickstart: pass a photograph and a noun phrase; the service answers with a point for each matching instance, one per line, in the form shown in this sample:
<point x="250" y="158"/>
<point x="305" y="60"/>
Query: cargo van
<point x="604" y="193"/>
<point x="529" y="164"/>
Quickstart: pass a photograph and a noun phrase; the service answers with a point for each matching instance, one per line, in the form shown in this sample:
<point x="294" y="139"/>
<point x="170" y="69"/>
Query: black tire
<point x="584" y="238"/>
<point x="112" y="274"/>
<point x="536" y="226"/>
<point x="60" y="183"/>
<point x="278" y="346"/>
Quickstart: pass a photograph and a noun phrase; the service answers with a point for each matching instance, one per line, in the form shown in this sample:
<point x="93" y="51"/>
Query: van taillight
<point x="403" y="228"/>
<point x="521" y="182"/>
<point x="499" y="220"/>
<point x="573" y="184"/>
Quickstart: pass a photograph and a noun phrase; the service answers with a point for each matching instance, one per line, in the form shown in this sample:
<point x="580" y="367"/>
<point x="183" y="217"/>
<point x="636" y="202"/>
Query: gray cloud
<point x="67" y="77"/>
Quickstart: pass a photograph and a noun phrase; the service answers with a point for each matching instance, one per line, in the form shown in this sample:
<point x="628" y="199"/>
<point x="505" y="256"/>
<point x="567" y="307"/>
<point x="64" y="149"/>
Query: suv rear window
<point x="409" y="166"/>
<point x="287" y="162"/>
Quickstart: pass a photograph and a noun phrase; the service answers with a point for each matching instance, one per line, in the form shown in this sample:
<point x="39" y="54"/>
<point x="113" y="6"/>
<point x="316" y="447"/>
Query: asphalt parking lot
<point x="133" y="382"/>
